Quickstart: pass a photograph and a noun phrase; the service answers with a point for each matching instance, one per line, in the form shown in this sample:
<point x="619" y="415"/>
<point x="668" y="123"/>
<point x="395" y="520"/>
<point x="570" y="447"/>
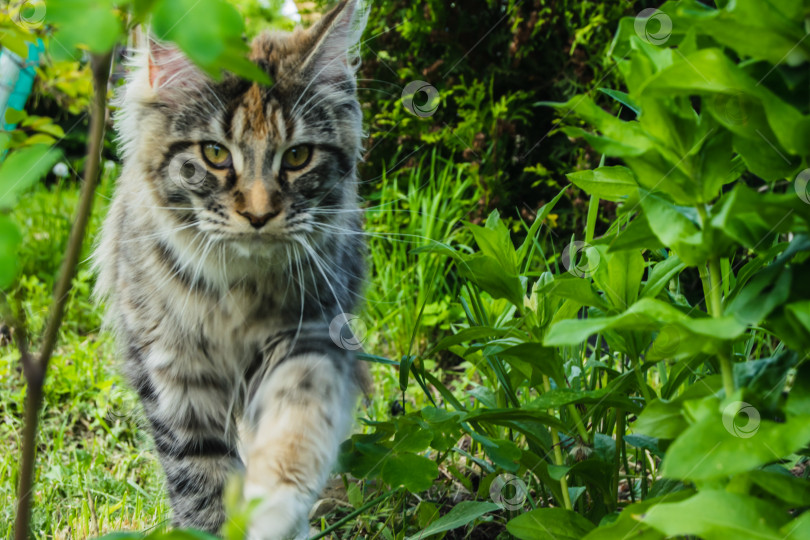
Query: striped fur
<point x="222" y="323"/>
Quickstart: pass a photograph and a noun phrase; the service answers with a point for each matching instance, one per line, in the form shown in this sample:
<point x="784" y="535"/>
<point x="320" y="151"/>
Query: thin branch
<point x="35" y="367"/>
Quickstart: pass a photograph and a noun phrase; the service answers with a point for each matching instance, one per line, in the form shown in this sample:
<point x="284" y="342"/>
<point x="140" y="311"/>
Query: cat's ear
<point x="335" y="41"/>
<point x="170" y="69"/>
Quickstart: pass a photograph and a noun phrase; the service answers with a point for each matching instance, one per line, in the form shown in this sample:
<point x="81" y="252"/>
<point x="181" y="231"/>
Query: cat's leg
<point x="187" y="405"/>
<point x="297" y="418"/>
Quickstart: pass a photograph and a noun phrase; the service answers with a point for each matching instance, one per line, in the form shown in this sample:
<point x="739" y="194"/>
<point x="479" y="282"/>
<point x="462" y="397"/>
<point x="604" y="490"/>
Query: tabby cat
<point x="232" y="241"/>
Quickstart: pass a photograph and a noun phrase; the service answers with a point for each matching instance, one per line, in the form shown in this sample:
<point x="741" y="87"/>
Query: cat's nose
<point x="257" y="222"/>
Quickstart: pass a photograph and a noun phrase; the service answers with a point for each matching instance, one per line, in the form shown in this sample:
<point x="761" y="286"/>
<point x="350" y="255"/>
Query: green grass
<point x="94" y="470"/>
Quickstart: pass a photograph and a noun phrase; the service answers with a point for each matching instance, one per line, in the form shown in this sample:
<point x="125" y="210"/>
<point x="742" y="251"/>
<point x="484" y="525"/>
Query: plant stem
<point x="36" y="366"/>
<point x="642" y="383"/>
<point x="713" y="282"/>
<point x="558" y="459"/>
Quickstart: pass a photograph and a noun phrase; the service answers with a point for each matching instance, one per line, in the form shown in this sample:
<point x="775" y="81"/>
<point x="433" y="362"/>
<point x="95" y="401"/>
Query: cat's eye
<point x="296" y="157"/>
<point x="216" y="155"/>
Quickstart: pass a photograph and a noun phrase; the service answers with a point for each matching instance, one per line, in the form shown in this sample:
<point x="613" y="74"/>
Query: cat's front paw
<point x="281" y="514"/>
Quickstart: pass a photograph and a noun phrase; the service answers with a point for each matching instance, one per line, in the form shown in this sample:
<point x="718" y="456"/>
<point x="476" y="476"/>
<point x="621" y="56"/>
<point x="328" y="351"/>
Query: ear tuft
<point x="336" y="38"/>
<point x="170" y="69"/>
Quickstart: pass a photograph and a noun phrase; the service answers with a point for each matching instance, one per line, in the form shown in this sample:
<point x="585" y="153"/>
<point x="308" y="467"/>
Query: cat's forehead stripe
<point x="254" y="111"/>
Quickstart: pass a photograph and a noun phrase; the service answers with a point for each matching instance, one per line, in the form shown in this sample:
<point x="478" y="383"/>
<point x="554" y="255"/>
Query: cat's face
<point x="242" y="162"/>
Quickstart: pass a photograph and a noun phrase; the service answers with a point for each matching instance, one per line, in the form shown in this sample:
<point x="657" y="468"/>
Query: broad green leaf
<point x="460" y="515"/>
<point x="784" y="486"/>
<point x="549" y="524"/>
<point x="738" y="440"/>
<point x="616" y="137"/>
<point x="749" y="218"/>
<point x="560" y="397"/>
<point x="637" y="235"/>
<point x="711" y="72"/>
<point x="209" y="32"/>
<point x="412" y="437"/>
<point x="664" y="419"/>
<point x="718" y="515"/>
<point x="649" y="314"/>
<point x="100" y="15"/>
<point x="492" y="276"/>
<point x="798" y="529"/>
<point x="629" y="525"/>
<point x="609" y="183"/>
<point x="574" y="288"/>
<point x="505" y="455"/>
<point x="21" y="169"/>
<point x="618" y="274"/>
<point x="415" y="472"/>
<point x="675" y="227"/>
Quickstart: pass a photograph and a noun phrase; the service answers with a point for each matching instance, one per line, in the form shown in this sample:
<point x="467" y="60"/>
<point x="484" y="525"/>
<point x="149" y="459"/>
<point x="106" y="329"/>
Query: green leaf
<point x="621" y="97"/>
<point x="798" y="529"/>
<point x="618" y="274"/>
<point x="616" y="137"/>
<point x="738" y="440"/>
<point x="649" y="314"/>
<point x="661" y="275"/>
<point x="416" y="473"/>
<point x="10" y="239"/>
<point x="574" y="288"/>
<point x="411" y="437"/>
<point x="21" y="169"/>
<point x="629" y="525"/>
<point x="718" y="515"/>
<point x="72" y="27"/>
<point x="491" y="275"/>
<point x="209" y="32"/>
<point x="560" y="397"/>
<point x="549" y="524"/>
<point x="784" y="486"/>
<point x="461" y="514"/>
<point x="609" y="183"/>
<point x="675" y="227"/>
